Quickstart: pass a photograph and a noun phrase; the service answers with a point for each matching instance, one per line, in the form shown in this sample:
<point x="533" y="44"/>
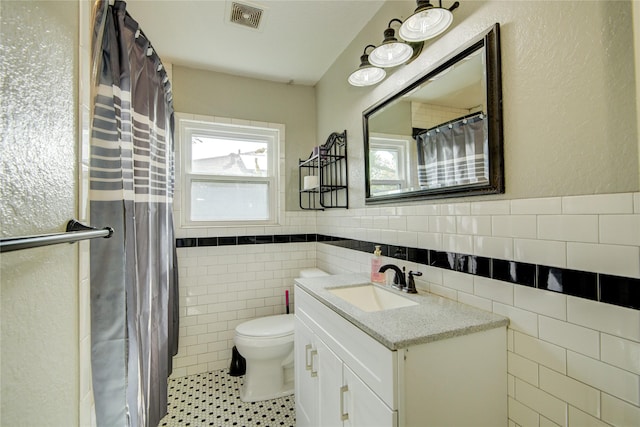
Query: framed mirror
<point x="441" y="134"/>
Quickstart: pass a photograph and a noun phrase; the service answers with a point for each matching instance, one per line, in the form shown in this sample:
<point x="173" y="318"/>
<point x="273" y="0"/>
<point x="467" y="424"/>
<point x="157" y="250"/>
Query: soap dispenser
<point x="376" y="263"/>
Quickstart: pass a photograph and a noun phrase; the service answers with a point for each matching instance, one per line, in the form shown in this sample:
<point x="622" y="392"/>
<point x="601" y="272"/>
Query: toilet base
<point x="265" y="384"/>
<point x="287" y="390"/>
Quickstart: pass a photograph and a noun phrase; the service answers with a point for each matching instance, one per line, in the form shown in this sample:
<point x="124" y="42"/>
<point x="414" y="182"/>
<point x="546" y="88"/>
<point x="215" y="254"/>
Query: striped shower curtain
<point x="133" y="274"/>
<point x="454" y="153"/>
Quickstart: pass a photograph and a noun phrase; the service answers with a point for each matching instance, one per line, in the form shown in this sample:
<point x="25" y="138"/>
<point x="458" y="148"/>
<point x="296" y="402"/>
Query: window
<point x="388" y="166"/>
<point x="229" y="173"/>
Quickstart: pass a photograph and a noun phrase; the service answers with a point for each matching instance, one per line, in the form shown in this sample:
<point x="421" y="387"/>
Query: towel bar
<point x="75" y="232"/>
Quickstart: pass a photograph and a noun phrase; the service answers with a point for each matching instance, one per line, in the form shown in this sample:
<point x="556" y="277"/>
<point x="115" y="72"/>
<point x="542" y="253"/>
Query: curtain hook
<point x="137" y="33"/>
<point x="150" y="51"/>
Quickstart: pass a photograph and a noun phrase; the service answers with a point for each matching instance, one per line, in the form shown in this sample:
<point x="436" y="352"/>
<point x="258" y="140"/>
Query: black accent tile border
<point x="514" y="272"/>
<point x="616" y="290"/>
<point x="207" y="241"/>
<point x="571" y="282"/>
<point x="246" y="240"/>
<point x="227" y="241"/>
<point x="189" y="243"/>
<point x="620" y="291"/>
<point x="420" y="256"/>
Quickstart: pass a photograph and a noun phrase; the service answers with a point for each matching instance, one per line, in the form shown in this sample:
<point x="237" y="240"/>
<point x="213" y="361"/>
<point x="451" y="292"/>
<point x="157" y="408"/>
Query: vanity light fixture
<point x="427" y="21"/>
<point x="366" y="74"/>
<point x="391" y="51"/>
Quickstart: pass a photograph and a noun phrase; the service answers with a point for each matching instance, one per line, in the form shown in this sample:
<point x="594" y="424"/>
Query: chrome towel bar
<point x="75" y="232"/>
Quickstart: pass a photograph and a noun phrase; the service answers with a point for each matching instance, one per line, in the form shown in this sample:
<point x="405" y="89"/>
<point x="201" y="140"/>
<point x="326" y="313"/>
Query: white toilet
<point x="266" y="344"/>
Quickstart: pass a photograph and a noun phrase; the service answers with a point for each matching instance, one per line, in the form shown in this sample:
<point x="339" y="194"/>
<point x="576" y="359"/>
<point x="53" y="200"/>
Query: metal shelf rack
<point x="328" y="163"/>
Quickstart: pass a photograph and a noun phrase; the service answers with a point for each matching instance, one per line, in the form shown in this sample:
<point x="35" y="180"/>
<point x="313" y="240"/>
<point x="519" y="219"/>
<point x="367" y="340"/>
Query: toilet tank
<point x="312" y="272"/>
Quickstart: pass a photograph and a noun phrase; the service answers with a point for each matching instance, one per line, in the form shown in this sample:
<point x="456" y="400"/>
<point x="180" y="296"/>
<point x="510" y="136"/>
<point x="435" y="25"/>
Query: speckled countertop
<point x="434" y="318"/>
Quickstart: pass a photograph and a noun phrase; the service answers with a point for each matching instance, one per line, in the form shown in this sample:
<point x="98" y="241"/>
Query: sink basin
<point x="371" y="298"/>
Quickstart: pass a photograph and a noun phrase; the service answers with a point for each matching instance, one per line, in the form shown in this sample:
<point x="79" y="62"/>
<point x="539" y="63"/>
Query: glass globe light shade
<point x="426" y="24"/>
<point x="390" y="54"/>
<point x="367" y="76"/>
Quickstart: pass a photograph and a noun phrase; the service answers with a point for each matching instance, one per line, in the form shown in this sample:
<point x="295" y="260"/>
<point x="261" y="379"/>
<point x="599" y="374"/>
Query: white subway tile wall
<point x="223" y="286"/>
<point x="572" y="361"/>
<point x="618" y="260"/>
<point x="427" y="116"/>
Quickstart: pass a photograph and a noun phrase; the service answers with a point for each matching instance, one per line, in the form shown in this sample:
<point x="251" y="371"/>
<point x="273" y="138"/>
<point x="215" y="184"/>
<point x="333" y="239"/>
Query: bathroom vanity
<point x="363" y="357"/>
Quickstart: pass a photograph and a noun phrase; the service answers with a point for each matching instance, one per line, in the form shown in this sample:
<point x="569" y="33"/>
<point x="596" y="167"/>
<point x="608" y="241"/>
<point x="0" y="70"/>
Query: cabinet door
<point x="363" y="407"/>
<point x="306" y="385"/>
<point x="329" y="368"/>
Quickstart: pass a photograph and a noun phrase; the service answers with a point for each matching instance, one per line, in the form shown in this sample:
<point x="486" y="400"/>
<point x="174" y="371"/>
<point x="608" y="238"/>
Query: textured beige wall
<point x="39" y="367"/>
<point x="223" y="95"/>
<point x="568" y="92"/>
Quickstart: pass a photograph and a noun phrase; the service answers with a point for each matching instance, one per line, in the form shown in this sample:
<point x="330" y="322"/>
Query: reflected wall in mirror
<point x="440" y="135"/>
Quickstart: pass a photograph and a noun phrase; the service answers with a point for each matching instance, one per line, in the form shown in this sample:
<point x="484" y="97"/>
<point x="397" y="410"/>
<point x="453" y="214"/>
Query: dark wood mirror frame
<point x="490" y="40"/>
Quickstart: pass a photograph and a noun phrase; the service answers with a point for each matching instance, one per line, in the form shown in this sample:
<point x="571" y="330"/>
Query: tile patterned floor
<point x="213" y="399"/>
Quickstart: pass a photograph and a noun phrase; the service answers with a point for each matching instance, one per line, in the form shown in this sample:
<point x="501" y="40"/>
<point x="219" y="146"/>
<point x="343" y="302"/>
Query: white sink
<point x="371" y="298"/>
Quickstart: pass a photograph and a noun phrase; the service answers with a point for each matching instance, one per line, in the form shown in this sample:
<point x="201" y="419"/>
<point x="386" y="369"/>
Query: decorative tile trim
<point x="244" y="240"/>
<point x="616" y="290"/>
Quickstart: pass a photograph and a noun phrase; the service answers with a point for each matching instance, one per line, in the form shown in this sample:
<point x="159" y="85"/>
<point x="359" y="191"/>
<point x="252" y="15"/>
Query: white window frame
<point x="268" y="133"/>
<point x="400" y="144"/>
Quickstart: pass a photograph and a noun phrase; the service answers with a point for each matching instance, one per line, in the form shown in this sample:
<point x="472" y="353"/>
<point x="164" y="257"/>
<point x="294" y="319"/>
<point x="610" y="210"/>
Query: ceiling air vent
<point x="245" y="15"/>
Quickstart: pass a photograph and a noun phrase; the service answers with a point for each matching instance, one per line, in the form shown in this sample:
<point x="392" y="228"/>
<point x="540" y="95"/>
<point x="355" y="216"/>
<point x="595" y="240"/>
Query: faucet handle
<point x="411" y="284"/>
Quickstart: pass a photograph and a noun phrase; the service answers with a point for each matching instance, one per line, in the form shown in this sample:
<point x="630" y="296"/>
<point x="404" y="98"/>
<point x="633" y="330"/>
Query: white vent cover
<point x="245" y="15"/>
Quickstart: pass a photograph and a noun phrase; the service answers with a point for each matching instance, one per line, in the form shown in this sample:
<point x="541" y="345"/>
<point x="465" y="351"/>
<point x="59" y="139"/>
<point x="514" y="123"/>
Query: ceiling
<point x="296" y="42"/>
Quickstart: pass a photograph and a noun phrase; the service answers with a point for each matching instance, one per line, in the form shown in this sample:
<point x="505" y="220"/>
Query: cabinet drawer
<point x="375" y="364"/>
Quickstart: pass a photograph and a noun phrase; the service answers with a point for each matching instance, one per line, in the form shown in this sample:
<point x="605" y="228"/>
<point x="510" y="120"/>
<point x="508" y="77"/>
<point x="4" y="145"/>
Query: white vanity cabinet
<point x="328" y="392"/>
<point x="345" y="377"/>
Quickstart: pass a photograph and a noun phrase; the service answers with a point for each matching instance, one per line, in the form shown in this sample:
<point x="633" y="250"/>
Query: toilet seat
<point x="267" y="327"/>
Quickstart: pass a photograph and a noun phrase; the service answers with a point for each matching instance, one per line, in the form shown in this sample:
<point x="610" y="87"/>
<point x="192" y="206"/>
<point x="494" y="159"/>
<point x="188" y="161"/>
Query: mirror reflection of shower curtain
<point x="455" y="153"/>
<point x="134" y="297"/>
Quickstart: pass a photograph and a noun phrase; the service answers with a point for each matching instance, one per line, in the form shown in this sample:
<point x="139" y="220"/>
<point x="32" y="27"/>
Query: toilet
<point x="266" y="344"/>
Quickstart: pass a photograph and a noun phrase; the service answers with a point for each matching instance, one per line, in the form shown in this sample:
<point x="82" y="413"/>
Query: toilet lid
<point x="269" y="326"/>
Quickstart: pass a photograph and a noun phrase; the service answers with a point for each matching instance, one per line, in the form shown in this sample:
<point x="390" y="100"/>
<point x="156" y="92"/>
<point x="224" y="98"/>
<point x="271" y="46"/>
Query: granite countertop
<point x="434" y="318"/>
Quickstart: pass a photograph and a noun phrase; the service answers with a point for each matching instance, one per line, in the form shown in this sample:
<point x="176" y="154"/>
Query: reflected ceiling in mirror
<point x="440" y="135"/>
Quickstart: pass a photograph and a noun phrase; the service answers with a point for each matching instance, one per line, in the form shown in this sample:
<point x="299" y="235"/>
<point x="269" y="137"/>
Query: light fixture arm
<point x="453" y="6"/>
<point x="389" y="33"/>
<point x="394" y="19"/>
<point x="426" y="4"/>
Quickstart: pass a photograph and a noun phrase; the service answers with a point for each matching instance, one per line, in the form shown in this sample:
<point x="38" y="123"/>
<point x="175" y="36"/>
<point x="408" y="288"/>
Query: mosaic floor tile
<point x="213" y="399"/>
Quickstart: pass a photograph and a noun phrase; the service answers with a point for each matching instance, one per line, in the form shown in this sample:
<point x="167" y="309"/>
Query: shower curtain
<point x="454" y="153"/>
<point x="133" y="274"/>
